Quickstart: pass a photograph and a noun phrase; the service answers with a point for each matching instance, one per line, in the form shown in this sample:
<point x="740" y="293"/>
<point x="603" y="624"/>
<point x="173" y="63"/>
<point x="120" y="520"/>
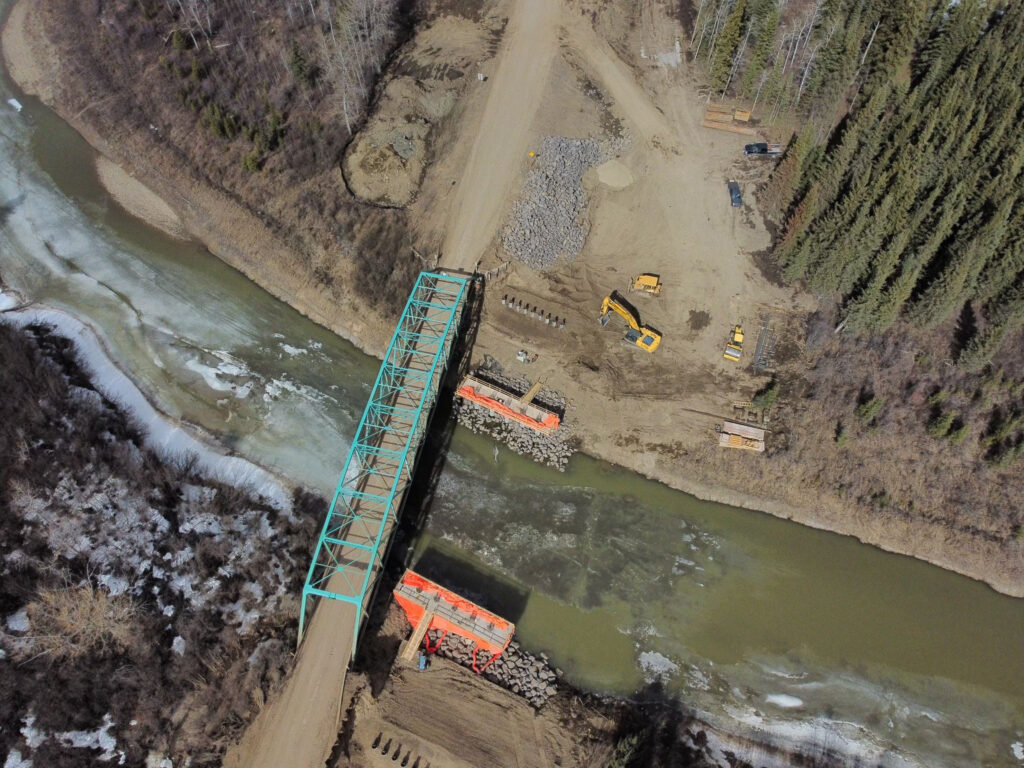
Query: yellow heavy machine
<point x="646" y="284"/>
<point x="734" y="347"/>
<point x="638" y="335"/>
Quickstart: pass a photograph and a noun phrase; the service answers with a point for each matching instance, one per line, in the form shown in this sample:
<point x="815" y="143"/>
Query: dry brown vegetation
<point x="98" y="538"/>
<point x="259" y="100"/>
<point x="71" y="621"/>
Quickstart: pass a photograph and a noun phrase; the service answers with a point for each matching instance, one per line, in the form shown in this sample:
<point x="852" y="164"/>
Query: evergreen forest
<point x="901" y="192"/>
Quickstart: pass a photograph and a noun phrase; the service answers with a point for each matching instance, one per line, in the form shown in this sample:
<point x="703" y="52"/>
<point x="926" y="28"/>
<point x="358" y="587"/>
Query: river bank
<point x="238" y="236"/>
<point x="136" y="198"/>
<point x="173" y="441"/>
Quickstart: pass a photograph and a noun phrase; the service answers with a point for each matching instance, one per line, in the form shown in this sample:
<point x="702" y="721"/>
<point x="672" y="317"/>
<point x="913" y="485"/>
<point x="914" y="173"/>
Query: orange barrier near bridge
<point x="430" y="606"/>
<point x="507" y="405"/>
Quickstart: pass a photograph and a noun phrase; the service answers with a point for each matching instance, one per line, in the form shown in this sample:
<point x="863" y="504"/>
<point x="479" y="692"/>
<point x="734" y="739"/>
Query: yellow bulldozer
<point x="646" y="284"/>
<point x="638" y="335"/>
<point x="734" y="347"/>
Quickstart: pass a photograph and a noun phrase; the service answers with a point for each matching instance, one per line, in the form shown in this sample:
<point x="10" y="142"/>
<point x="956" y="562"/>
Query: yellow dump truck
<point x="636" y="334"/>
<point x="734" y="347"/>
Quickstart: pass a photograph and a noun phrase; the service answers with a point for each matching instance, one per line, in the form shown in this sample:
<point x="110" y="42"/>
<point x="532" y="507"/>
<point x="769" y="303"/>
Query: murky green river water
<point x="763" y="625"/>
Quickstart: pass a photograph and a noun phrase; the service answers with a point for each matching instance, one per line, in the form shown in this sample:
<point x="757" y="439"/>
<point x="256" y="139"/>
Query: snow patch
<point x="18" y="622"/>
<point x="178" y="645"/>
<point x="32" y="735"/>
<point x="99" y="738"/>
<point x="15" y="760"/>
<point x="114" y="584"/>
<point x="1018" y="750"/>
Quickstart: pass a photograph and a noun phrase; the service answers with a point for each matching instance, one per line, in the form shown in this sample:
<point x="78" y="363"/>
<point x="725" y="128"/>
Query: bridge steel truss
<point x="356" y="535"/>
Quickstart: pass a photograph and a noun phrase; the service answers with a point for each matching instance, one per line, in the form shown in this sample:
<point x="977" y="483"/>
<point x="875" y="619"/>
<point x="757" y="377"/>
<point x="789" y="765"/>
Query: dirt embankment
<point x="660" y="207"/>
<point x="40" y="61"/>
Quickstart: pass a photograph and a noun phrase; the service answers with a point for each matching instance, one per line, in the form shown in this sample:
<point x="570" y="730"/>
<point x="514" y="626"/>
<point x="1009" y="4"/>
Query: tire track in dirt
<point x="502" y="138"/>
<point x="622" y="86"/>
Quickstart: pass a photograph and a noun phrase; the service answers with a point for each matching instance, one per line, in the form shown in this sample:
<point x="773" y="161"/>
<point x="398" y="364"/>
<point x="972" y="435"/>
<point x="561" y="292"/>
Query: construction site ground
<point x="449" y="716"/>
<point x="660" y="206"/>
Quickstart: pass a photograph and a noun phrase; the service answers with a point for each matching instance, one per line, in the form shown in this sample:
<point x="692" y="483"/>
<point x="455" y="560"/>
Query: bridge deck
<point x="299" y="726"/>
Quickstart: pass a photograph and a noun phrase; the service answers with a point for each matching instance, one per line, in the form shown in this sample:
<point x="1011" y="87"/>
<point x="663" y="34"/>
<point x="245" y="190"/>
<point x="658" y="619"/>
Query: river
<point x="761" y="625"/>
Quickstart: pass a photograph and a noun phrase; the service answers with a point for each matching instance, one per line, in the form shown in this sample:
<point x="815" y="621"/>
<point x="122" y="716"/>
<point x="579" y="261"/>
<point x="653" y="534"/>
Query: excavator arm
<point x="615" y="304"/>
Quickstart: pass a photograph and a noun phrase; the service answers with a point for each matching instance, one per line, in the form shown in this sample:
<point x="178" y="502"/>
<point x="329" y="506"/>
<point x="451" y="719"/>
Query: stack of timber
<point x="741" y="436"/>
<point x="723" y="118"/>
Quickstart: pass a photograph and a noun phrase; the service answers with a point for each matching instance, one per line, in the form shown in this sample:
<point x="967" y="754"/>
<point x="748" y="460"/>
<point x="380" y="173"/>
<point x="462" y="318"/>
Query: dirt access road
<point x="502" y="134"/>
<point x="299" y="725"/>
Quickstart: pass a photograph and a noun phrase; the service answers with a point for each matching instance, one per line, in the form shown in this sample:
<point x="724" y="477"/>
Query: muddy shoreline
<point x="238" y="236"/>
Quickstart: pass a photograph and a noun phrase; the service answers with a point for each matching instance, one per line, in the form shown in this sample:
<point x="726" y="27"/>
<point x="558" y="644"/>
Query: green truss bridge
<point x="354" y="541"/>
<point x="298" y="728"/>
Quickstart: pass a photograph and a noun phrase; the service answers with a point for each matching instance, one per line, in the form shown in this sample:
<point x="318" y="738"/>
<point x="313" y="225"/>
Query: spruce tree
<point x="766" y="17"/>
<point x="778" y="193"/>
<point x="726" y="44"/>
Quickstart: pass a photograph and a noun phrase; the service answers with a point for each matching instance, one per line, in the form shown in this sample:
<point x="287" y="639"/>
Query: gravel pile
<point x="546" y="223"/>
<point x="515" y="669"/>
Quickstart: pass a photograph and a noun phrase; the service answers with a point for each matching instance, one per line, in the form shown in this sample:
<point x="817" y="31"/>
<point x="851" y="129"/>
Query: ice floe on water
<point x="784" y="700"/>
<point x="656" y="666"/>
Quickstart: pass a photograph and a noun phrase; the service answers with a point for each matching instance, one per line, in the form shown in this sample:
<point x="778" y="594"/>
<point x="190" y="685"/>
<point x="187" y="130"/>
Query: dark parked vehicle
<point x="734" y="194"/>
<point x="762" y="150"/>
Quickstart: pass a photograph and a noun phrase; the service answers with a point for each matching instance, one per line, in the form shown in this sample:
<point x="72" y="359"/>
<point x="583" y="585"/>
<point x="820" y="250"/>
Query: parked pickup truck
<point x="762" y="150"/>
<point x="734" y="194"/>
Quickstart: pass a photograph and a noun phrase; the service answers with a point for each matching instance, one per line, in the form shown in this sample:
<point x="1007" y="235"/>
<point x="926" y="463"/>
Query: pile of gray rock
<point x="516" y="670"/>
<point x="547" y="222"/>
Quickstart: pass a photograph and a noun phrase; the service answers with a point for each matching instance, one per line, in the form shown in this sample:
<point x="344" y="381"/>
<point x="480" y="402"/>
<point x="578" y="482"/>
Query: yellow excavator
<point x="637" y="334"/>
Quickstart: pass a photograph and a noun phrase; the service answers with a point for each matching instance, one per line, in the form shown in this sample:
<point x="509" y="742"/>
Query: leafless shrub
<point x="75" y="620"/>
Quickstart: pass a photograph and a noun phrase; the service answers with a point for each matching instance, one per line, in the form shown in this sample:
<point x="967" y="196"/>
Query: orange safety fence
<point x="550" y="421"/>
<point x="473" y="612"/>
